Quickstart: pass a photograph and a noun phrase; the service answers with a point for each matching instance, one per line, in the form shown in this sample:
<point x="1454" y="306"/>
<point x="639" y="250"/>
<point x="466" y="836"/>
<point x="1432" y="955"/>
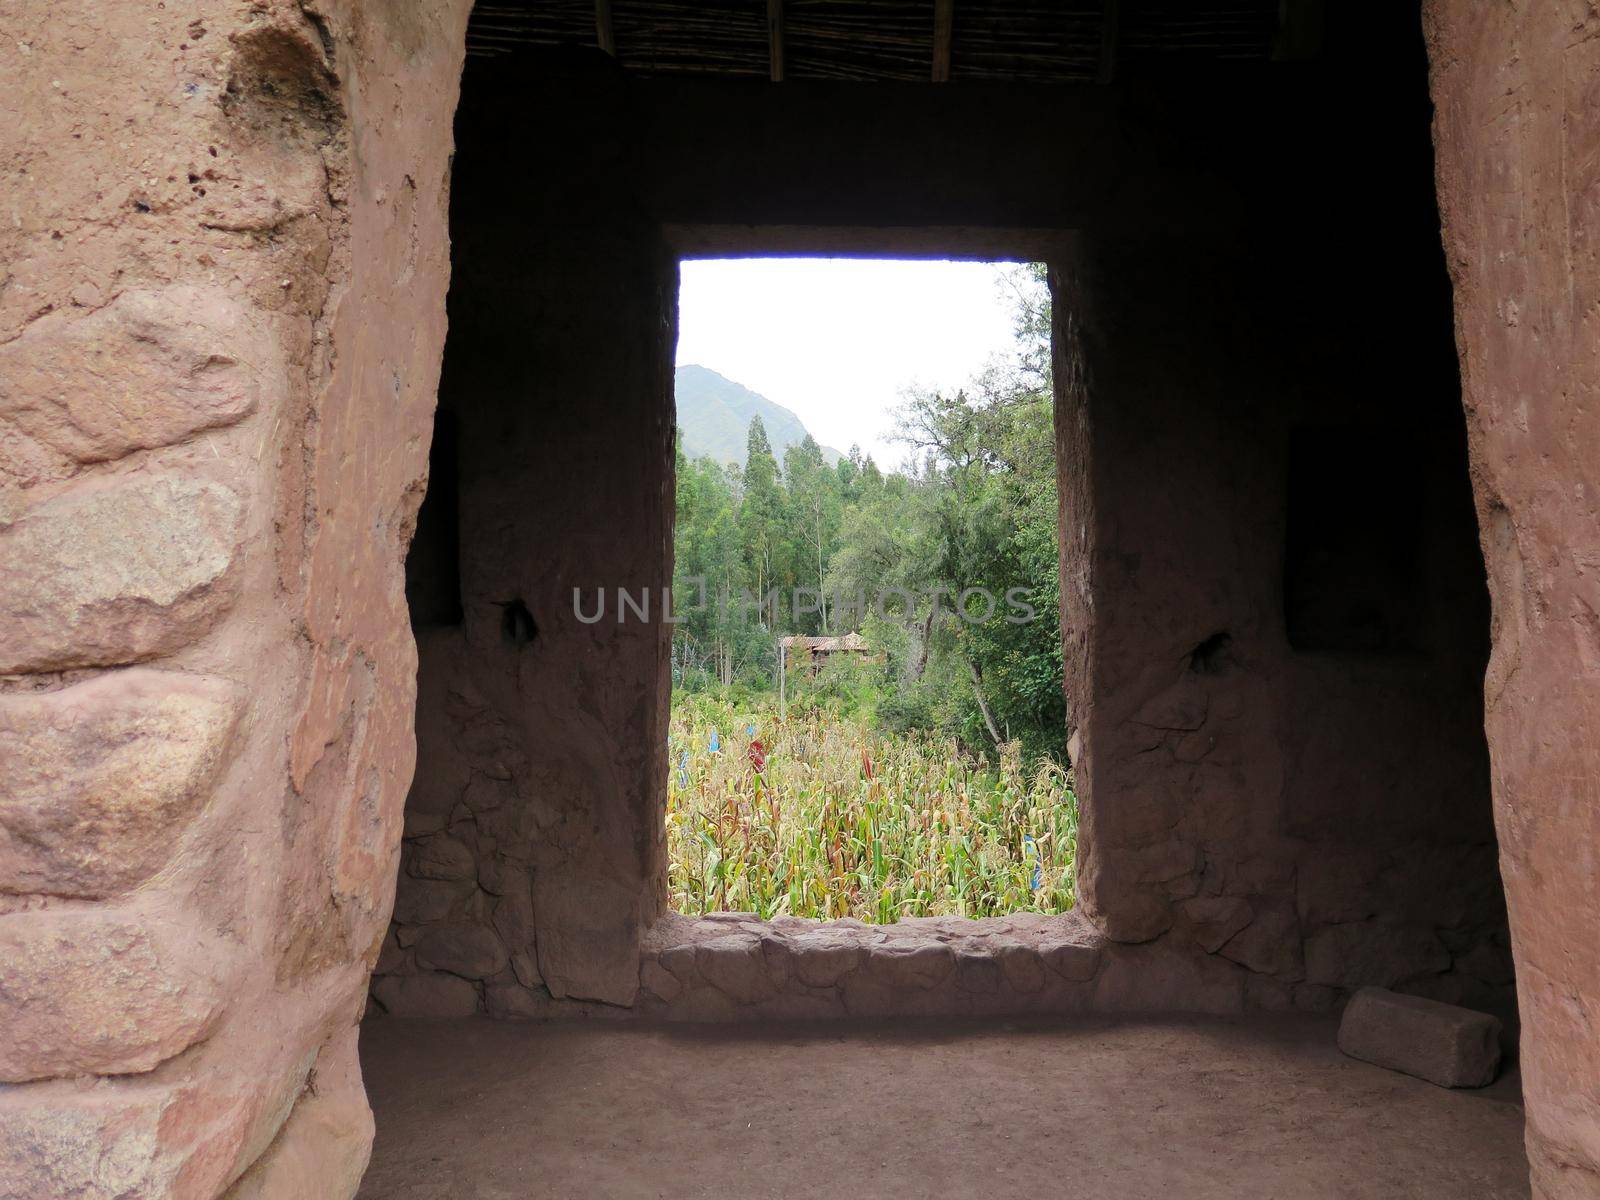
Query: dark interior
<point x="1274" y="602"/>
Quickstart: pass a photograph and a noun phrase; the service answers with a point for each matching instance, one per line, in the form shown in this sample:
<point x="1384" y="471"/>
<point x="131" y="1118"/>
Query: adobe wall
<point x="534" y="856"/>
<point x="1518" y="132"/>
<point x="1288" y="775"/>
<point x="220" y="329"/>
<point x="1291" y="821"/>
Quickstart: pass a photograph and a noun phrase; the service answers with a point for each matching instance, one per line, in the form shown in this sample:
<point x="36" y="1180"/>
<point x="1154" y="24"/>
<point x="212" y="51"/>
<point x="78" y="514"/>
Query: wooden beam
<point x="602" y="27"/>
<point x="1110" y="33"/>
<point x="775" y="39"/>
<point x="944" y="24"/>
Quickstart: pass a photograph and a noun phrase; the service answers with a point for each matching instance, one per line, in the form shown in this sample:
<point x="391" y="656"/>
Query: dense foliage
<point x="843" y="545"/>
<point x="821" y="815"/>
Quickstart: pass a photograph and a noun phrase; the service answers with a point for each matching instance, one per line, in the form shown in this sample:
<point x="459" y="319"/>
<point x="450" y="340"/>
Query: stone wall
<point x="205" y="665"/>
<point x="1312" y="817"/>
<point x="1518" y="129"/>
<point x="1276" y="717"/>
<point x="733" y="967"/>
<point x="220" y="333"/>
<point x="534" y="855"/>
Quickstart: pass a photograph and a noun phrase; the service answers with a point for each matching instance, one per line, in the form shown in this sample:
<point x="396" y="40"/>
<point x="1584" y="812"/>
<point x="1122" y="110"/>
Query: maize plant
<point x="824" y="816"/>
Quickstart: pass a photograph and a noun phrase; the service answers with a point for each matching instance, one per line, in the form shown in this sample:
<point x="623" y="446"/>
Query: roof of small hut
<point x="850" y="641"/>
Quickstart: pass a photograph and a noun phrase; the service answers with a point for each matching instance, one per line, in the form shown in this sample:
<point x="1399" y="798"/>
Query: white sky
<point x="837" y="340"/>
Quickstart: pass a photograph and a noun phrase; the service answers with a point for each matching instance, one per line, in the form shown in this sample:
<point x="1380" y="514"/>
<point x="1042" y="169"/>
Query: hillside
<point x="714" y="414"/>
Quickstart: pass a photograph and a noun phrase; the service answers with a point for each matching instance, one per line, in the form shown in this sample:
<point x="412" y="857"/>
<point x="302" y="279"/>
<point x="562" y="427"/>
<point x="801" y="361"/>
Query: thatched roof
<point x="826" y="645"/>
<point x="910" y="40"/>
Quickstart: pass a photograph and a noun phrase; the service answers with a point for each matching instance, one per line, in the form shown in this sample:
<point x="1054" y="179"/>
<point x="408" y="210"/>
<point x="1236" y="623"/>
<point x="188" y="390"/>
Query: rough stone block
<point x="823" y="957"/>
<point x="525" y="966"/>
<point x="1071" y="959"/>
<point x="420" y="901"/>
<point x="463" y="948"/>
<point x="1372" y="953"/>
<point x="116" y="574"/>
<point x="679" y="960"/>
<point x="1271" y="944"/>
<point x="658" y="981"/>
<point x="497" y="872"/>
<point x="321" y="1151"/>
<point x="735" y="964"/>
<point x="1195" y="747"/>
<point x="316" y="1141"/>
<point x="433" y="995"/>
<point x="587" y="935"/>
<point x="1215" y="919"/>
<point x="777" y="956"/>
<point x="101" y="779"/>
<point x="140" y="1138"/>
<point x="1020" y="965"/>
<point x="443" y="857"/>
<point x="1446" y="1045"/>
<point x="149" y="369"/>
<point x="977" y="972"/>
<point x="92" y="991"/>
<point x="487" y="794"/>
<point x="1126" y="910"/>
<point x="513" y="921"/>
<point x="910" y="964"/>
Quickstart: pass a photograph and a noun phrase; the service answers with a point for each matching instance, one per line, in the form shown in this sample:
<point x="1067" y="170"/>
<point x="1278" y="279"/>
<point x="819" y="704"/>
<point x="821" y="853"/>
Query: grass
<point x="843" y="820"/>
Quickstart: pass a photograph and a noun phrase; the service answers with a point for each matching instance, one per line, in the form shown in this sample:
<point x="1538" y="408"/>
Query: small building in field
<point x="816" y="651"/>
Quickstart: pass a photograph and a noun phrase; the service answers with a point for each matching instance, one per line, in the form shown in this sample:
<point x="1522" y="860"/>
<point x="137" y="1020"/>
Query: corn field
<point x="824" y="816"/>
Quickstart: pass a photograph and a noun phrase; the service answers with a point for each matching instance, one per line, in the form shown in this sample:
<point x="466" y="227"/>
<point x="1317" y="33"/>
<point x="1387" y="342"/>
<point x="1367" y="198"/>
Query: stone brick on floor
<point x="1446" y="1045"/>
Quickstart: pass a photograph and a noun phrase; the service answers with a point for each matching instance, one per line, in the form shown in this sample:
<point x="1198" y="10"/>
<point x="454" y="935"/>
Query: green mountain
<point x="714" y="414"/>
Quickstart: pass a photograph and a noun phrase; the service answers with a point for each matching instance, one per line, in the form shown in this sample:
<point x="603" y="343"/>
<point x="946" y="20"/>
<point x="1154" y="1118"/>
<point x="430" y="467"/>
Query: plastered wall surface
<point x="220" y="326"/>
<point x="1517" y="126"/>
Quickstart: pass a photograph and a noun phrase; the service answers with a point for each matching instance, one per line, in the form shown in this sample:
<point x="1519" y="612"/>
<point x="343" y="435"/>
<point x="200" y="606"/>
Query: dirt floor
<point x="1169" y="1107"/>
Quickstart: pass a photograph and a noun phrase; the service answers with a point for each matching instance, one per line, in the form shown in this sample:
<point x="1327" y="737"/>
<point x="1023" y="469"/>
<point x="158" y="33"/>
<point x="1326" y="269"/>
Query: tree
<point x="977" y="510"/>
<point x="761" y="510"/>
<point x="814" y="497"/>
<point x="708" y="565"/>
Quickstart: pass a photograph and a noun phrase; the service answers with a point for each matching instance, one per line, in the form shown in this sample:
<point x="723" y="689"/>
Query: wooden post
<point x="783" y="704"/>
<point x="775" y="39"/>
<point x="603" y="35"/>
<point x="944" y="23"/>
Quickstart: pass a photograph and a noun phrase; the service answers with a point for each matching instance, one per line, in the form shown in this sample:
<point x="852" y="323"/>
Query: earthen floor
<point x="1171" y="1108"/>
